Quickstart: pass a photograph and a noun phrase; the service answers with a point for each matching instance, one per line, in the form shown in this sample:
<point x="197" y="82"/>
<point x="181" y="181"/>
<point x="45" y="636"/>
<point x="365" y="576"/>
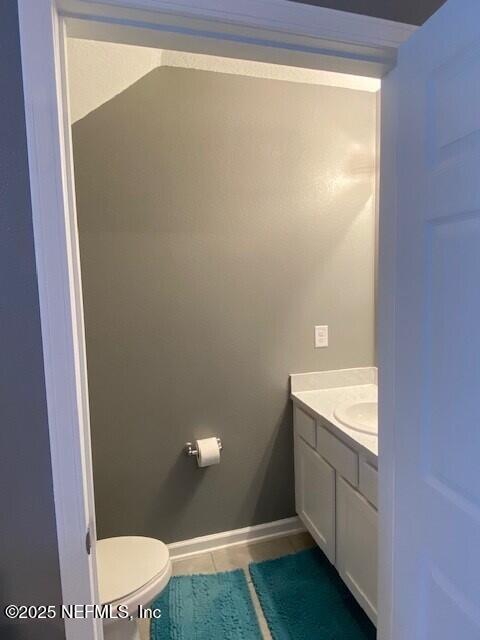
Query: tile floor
<point x="239" y="557"/>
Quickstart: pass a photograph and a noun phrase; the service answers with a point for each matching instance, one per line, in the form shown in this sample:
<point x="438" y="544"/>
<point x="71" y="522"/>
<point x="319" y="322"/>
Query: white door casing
<point x="289" y="32"/>
<point x="42" y="36"/>
<point x="429" y="491"/>
<point x="431" y="182"/>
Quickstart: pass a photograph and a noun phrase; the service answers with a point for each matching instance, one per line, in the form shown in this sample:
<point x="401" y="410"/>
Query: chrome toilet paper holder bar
<point x="191" y="450"/>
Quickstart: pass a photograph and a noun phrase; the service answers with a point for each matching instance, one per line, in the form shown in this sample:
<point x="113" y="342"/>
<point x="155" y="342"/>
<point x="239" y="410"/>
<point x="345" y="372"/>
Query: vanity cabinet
<point x="336" y="497"/>
<point x="315" y="508"/>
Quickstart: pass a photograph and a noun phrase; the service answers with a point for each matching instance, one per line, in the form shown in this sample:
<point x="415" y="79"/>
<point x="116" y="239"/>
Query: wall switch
<point x="321" y="336"/>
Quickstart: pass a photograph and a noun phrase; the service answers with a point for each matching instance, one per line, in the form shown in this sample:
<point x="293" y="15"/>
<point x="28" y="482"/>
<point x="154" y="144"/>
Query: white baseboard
<point x="257" y="533"/>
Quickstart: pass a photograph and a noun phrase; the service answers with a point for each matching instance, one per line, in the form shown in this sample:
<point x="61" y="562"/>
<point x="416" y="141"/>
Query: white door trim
<point x="275" y="31"/>
<point x="387" y="300"/>
<point x="275" y="15"/>
<point x="41" y="24"/>
<point x="58" y="272"/>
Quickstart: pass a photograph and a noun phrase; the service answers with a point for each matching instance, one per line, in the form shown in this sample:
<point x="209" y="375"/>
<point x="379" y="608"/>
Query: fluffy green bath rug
<point x="206" y="607"/>
<point x="303" y="598"/>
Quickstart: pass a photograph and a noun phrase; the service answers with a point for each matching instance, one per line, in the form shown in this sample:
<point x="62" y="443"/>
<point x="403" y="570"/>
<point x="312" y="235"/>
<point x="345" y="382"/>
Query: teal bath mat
<point x="303" y="598"/>
<point x="206" y="607"/>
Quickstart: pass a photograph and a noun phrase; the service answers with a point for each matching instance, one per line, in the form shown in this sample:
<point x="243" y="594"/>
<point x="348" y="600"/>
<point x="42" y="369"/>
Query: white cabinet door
<point x="315" y="495"/>
<point x="357" y="546"/>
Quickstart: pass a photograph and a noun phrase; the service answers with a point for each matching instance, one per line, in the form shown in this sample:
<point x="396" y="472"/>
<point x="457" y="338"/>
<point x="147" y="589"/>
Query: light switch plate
<point x="321" y="336"/>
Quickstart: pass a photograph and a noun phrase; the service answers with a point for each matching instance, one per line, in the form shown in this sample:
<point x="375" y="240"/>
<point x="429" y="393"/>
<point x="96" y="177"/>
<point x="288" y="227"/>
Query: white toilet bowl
<point x="132" y="571"/>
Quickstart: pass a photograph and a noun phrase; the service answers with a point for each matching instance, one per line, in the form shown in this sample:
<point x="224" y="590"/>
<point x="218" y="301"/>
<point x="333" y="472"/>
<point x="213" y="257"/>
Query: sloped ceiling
<point x="98" y="71"/>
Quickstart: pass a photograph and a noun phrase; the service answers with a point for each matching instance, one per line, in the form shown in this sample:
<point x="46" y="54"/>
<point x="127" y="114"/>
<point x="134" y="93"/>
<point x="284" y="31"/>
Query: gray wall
<point x="29" y="572"/>
<point x="408" y="11"/>
<point x="221" y="217"/>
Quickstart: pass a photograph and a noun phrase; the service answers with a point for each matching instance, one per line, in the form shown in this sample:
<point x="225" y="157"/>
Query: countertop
<point x="322" y="402"/>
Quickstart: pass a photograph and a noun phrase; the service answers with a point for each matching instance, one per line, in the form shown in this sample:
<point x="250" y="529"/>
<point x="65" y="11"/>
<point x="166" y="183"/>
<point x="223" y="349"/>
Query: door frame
<point x="267" y="30"/>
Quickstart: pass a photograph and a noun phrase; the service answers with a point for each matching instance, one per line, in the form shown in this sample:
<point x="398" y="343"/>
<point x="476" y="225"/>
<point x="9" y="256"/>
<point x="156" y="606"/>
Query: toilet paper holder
<point x="191" y="450"/>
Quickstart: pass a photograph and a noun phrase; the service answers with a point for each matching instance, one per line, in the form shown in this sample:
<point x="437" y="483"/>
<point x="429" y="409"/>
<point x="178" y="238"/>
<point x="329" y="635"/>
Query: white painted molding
<point x="275" y="31"/>
<point x="224" y="539"/>
<point x="55" y="234"/>
<point x="283" y="15"/>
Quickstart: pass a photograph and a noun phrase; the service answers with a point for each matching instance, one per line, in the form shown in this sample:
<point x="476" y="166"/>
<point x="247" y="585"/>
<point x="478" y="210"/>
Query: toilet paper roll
<point x="208" y="452"/>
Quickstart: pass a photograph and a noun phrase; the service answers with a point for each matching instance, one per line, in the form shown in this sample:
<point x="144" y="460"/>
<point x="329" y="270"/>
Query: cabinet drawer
<point x="304" y="425"/>
<point x="368" y="482"/>
<point x="338" y="455"/>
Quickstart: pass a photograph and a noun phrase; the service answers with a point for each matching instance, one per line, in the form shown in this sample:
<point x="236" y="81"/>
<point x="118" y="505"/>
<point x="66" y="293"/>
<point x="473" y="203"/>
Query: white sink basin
<point x="360" y="416"/>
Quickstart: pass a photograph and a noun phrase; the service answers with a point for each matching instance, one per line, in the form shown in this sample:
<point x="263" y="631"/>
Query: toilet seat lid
<point x="126" y="564"/>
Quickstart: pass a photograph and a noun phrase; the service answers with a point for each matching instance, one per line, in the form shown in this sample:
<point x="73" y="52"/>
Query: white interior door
<point x="431" y="133"/>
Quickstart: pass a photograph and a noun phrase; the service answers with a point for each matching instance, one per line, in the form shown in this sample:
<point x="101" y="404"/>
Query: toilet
<point x="132" y="571"/>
